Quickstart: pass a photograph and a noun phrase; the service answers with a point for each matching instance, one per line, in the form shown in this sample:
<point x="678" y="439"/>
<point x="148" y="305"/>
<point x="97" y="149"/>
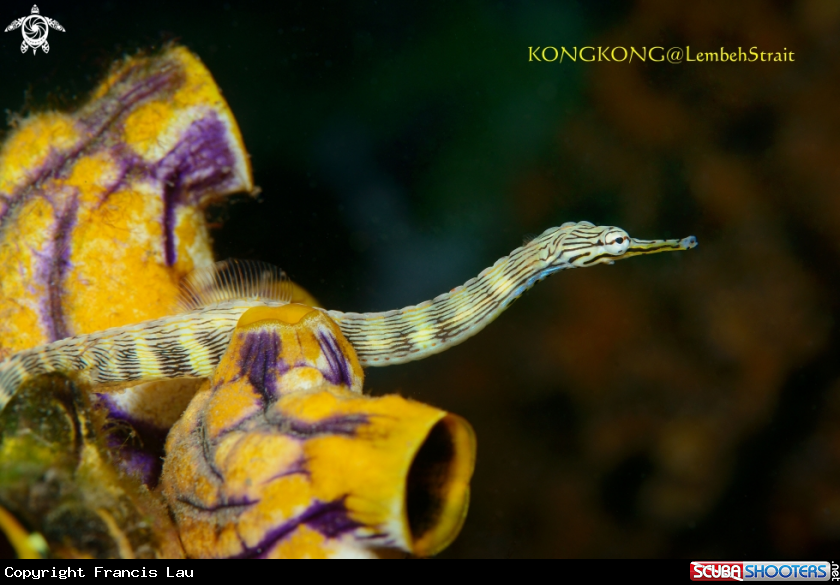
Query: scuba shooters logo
<point x="764" y="571"/>
<point x="35" y="29"/>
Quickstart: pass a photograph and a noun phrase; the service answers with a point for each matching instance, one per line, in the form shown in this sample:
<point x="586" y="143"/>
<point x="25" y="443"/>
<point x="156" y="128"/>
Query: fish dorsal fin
<point x="231" y="280"/>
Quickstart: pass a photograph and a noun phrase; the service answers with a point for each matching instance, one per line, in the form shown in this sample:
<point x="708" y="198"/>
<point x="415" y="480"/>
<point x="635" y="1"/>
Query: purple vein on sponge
<point x="58" y="265"/>
<point x="225" y="505"/>
<point x="199" y="165"/>
<point x="330" y="519"/>
<point x="338" y="369"/>
<point x="260" y="361"/>
<point x="346" y="425"/>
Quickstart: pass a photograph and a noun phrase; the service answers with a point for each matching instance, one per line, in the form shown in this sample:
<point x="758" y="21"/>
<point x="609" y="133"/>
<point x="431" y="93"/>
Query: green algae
<point x="58" y="479"/>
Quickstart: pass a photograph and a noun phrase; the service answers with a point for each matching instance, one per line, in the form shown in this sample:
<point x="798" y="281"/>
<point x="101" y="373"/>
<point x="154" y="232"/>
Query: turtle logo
<point x="35" y="29"/>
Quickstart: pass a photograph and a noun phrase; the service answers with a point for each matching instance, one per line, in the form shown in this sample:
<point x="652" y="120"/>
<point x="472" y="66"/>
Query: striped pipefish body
<point x="191" y="343"/>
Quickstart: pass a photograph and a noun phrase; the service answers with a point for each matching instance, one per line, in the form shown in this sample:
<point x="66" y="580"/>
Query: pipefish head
<point x="575" y="245"/>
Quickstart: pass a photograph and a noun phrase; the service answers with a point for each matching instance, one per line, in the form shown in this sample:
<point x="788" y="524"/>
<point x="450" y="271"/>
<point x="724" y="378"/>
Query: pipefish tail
<point x="191" y="343"/>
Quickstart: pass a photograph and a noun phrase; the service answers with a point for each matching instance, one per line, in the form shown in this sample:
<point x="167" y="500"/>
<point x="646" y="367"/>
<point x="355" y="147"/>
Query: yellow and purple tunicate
<point x="101" y="211"/>
<point x="280" y="455"/>
<point x="101" y="216"/>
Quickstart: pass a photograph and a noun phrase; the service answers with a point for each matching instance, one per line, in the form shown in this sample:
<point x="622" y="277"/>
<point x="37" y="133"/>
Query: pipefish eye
<point x="616" y="242"/>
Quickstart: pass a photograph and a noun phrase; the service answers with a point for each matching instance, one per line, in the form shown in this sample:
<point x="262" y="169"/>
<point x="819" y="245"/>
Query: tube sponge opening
<point x="438" y="488"/>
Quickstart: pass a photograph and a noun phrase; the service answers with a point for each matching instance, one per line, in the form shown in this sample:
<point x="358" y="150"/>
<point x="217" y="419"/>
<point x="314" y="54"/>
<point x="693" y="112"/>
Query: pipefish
<point x="190" y="344"/>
